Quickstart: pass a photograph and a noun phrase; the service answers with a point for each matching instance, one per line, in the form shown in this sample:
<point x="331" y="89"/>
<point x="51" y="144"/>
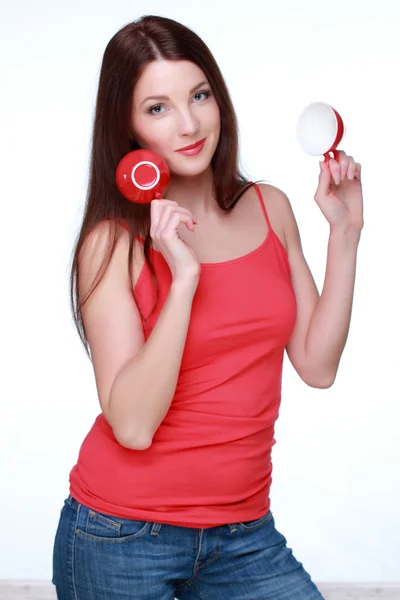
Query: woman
<point x="187" y="306"/>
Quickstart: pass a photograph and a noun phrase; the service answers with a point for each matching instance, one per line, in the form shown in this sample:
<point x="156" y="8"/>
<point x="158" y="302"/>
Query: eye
<point x="206" y="93"/>
<point x="152" y="108"/>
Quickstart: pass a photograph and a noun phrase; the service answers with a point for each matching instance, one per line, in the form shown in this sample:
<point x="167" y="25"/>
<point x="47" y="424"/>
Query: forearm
<point x="143" y="390"/>
<point x="330" y="321"/>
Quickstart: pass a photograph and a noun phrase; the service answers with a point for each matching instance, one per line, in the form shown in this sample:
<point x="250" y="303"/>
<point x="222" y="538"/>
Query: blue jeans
<point x="100" y="557"/>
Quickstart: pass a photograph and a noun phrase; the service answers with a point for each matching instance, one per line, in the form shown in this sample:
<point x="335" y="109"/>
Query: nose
<point x="188" y="123"/>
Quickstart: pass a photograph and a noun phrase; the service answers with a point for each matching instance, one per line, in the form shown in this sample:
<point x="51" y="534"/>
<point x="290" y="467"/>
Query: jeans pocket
<point x="101" y="527"/>
<point x="252" y="525"/>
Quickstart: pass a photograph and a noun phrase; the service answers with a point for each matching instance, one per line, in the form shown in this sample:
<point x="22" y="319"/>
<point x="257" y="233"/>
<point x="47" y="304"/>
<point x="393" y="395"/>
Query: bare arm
<point x="329" y="327"/>
<point x="323" y="321"/>
<point x="136" y="380"/>
<point x="323" y="325"/>
<point x="143" y="390"/>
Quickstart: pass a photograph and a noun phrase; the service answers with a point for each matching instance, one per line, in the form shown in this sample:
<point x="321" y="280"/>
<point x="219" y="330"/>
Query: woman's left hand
<point x="339" y="192"/>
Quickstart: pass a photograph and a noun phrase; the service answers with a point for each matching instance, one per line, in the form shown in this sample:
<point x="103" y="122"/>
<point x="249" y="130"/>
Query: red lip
<point x="191" y="146"/>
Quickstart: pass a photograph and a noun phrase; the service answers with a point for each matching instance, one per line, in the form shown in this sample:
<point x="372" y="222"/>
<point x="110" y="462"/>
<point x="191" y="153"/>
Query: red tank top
<point x="210" y="460"/>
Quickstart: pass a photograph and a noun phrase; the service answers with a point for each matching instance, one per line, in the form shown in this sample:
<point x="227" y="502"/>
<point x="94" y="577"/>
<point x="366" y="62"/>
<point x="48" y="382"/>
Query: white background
<point x="336" y="492"/>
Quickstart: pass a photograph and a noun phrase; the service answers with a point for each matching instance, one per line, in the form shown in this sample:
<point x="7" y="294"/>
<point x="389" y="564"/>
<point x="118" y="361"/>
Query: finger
<point x="165" y="202"/>
<point x="334" y="167"/>
<point x="351" y="170"/>
<point x="162" y="212"/>
<point x="164" y="216"/>
<point x="358" y="171"/>
<point x="156" y="207"/>
<point x="176" y="206"/>
<point x="324" y="181"/>
<point x="344" y="166"/>
<point x="174" y="216"/>
<point x="169" y="230"/>
<point x="183" y="211"/>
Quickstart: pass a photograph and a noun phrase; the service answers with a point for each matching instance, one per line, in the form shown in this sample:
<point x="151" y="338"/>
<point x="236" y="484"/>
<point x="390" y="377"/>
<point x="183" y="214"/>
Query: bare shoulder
<point x="97" y="252"/>
<point x="279" y="211"/>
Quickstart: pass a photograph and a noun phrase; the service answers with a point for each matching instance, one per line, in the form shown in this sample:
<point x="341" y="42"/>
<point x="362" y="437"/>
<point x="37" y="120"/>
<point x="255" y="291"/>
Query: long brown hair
<point x="127" y="53"/>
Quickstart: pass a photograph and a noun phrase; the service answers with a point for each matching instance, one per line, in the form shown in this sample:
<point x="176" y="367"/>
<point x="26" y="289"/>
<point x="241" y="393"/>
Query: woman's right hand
<point x="166" y="216"/>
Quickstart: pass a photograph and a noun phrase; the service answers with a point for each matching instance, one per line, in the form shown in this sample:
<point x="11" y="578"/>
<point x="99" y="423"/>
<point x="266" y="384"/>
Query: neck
<point x="194" y="193"/>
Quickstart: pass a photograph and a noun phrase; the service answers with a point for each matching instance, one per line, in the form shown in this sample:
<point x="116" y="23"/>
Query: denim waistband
<point x="156" y="526"/>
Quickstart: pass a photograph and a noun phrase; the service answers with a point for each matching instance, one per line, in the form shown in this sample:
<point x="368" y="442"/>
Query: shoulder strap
<point x="124" y="225"/>
<point x="262" y="204"/>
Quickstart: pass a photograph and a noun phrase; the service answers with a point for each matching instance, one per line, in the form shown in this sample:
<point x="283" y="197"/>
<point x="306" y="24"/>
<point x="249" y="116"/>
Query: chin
<point x="190" y="170"/>
<point x="190" y="166"/>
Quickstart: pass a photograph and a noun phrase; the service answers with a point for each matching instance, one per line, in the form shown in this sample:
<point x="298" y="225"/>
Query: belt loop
<point x="155" y="529"/>
<point x="233" y="527"/>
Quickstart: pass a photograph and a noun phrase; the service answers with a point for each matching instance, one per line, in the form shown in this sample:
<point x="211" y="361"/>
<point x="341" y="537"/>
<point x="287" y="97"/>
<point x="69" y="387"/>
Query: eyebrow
<point x="196" y="87"/>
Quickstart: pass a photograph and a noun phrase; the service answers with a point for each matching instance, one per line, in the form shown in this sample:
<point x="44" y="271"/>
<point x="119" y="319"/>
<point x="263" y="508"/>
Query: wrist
<point x="185" y="286"/>
<point x="346" y="232"/>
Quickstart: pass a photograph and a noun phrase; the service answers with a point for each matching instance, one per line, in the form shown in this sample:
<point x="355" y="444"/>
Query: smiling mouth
<point x="191" y="146"/>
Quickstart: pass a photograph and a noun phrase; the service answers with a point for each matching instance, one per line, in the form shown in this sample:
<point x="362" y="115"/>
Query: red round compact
<point x="142" y="176"/>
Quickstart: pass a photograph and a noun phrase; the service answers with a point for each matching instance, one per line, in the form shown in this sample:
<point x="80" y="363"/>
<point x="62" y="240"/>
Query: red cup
<point x="320" y="130"/>
<point x="142" y="175"/>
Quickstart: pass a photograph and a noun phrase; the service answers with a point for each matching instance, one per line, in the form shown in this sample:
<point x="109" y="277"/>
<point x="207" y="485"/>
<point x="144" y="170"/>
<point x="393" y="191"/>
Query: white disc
<point x="317" y="128"/>
<point x="151" y="164"/>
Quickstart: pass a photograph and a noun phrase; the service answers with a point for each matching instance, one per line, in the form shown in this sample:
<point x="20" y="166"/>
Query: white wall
<point x="336" y="488"/>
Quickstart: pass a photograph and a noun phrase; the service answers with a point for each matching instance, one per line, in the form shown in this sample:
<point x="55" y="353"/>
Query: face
<point x="174" y="107"/>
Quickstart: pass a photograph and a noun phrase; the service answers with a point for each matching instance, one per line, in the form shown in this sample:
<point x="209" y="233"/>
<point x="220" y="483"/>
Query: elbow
<point x="320" y="381"/>
<point x="321" y="385"/>
<point x="133" y="441"/>
<point x="126" y="435"/>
